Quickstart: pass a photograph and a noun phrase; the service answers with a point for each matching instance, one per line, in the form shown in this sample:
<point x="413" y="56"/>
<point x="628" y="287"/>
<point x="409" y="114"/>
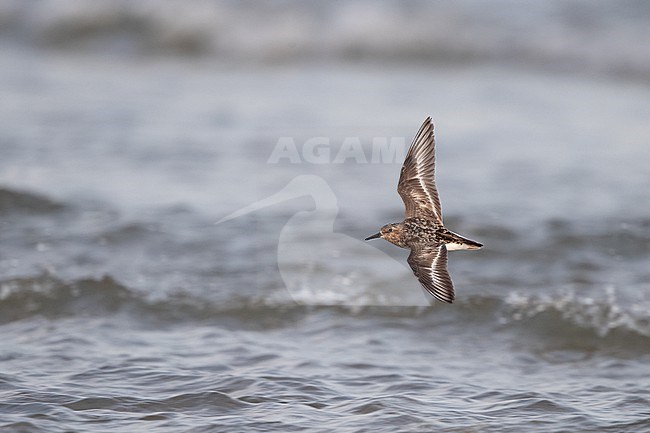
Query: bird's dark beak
<point x="375" y="236"/>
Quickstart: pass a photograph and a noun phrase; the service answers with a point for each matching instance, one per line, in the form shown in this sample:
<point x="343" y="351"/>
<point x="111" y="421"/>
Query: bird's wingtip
<point x="428" y="122"/>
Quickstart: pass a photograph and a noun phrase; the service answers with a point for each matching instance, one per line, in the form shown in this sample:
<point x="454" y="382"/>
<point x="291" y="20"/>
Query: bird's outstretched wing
<point x="417" y="184"/>
<point x="429" y="264"/>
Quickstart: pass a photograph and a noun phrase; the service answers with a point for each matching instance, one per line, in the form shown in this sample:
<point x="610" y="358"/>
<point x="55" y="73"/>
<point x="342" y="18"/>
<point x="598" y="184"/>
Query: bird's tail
<point x="461" y="243"/>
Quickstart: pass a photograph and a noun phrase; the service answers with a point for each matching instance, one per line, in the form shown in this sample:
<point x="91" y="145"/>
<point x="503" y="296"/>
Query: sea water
<point x="124" y="138"/>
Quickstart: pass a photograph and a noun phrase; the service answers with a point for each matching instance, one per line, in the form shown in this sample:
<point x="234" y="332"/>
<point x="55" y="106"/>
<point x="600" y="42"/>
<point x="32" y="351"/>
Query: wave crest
<point x="605" y="39"/>
<point x="559" y="319"/>
<point x="571" y="320"/>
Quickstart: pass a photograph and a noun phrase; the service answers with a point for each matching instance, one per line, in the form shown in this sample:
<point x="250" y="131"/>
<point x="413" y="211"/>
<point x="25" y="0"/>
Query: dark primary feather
<point x="429" y="264"/>
<point x="417" y="185"/>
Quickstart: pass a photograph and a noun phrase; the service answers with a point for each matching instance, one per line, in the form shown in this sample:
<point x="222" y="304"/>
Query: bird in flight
<point x="422" y="230"/>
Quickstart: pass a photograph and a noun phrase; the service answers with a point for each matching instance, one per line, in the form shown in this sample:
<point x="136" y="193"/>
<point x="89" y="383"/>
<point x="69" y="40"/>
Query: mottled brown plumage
<point x="422" y="230"/>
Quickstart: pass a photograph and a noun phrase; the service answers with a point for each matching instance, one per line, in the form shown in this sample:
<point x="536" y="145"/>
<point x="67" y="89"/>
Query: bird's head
<point x="390" y="232"/>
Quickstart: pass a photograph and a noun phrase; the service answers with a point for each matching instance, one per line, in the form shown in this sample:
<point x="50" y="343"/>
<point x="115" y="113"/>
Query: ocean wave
<point x="577" y="321"/>
<point x="53" y="298"/>
<point x="50" y="297"/>
<point x="26" y="202"/>
<point x="579" y="35"/>
<point x="558" y="319"/>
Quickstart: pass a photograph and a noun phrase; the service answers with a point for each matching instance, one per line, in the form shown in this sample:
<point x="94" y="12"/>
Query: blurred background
<point x="127" y="129"/>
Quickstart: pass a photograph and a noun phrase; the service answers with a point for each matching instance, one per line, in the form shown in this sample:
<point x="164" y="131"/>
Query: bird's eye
<point x="390" y="229"/>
